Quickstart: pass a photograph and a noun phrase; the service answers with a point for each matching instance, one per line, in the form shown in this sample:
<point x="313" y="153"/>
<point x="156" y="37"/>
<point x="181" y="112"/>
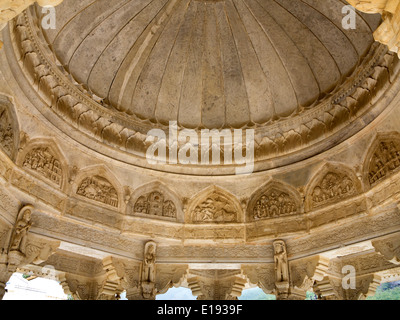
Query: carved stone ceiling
<point x="112" y="71"/>
<point x="210" y="64"/>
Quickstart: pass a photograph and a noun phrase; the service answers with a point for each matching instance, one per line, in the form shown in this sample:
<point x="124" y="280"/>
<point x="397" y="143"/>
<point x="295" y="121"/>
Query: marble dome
<point x="209" y="63"/>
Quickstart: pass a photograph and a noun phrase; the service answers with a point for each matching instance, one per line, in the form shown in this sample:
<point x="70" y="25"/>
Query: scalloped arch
<point x="274" y="199"/>
<point x="214" y="205"/>
<point x="42" y="157"/>
<point x="98" y="184"/>
<point x="167" y="195"/>
<point x="332" y="183"/>
<point x="382" y="158"/>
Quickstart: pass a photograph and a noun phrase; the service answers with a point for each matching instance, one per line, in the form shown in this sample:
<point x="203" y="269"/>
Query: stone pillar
<point x="388" y="32"/>
<point x="331" y="288"/>
<point x="216" y="284"/>
<point x="2" y="290"/>
<point x="81" y="288"/>
<point x="21" y="249"/>
<point x="136" y="294"/>
<point x="115" y="271"/>
<point x="325" y="289"/>
<point x="4" y="277"/>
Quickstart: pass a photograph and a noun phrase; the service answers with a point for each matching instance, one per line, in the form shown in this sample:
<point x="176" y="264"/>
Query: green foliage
<point x="311" y="296"/>
<point x="387" y="291"/>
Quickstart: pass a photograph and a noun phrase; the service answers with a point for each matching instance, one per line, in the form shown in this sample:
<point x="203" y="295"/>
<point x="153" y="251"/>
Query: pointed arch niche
<point x="333" y="183"/>
<point x="274" y="200"/>
<point x="43" y="158"/>
<point x="382" y="159"/>
<point x="156" y="201"/>
<point x="214" y="205"/>
<point x="98" y="185"/>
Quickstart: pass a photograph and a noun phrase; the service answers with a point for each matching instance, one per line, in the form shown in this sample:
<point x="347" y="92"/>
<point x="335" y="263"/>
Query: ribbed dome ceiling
<point x="214" y="64"/>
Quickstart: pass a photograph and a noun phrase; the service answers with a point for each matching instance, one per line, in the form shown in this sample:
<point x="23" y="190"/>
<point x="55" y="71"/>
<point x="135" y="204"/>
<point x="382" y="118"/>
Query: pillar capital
<point x="389" y="247"/>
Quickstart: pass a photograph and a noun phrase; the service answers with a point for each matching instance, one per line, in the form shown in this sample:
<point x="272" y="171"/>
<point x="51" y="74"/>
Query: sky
<point x="19" y="288"/>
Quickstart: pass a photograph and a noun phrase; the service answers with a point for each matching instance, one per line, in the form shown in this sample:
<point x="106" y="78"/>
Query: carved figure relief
<point x="148" y="278"/>
<point x="45" y="163"/>
<point x="385" y="161"/>
<point x="149" y="263"/>
<point x="274" y="203"/>
<point x="281" y="262"/>
<point x="6" y="131"/>
<point x="98" y="189"/>
<point x="333" y="187"/>
<point x="216" y="208"/>
<point x="155" y="204"/>
<point x="19" y="236"/>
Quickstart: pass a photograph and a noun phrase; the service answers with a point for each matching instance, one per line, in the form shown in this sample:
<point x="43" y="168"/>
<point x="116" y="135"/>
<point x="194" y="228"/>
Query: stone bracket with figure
<point x="148" y="272"/>
<point x="281" y="269"/>
<point x="20" y="248"/>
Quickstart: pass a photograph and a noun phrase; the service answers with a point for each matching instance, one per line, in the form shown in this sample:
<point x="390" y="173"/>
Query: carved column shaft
<point x="4" y="277"/>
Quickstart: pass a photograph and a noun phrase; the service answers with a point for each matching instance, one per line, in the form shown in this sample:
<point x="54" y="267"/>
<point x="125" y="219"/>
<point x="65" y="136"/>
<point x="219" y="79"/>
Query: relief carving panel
<point x="334" y="183"/>
<point x="42" y="161"/>
<point x="333" y="187"/>
<point x="154" y="204"/>
<point x="215" y="205"/>
<point x="215" y="208"/>
<point x="384" y="162"/>
<point x="274" y="204"/>
<point x="98" y="189"/>
<point x="7" y="129"/>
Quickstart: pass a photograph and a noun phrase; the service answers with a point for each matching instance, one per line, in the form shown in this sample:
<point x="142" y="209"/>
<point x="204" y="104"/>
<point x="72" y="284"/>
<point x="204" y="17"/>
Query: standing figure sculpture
<point x="19" y="236"/>
<point x="148" y="279"/>
<point x="281" y="262"/>
<point x="149" y="262"/>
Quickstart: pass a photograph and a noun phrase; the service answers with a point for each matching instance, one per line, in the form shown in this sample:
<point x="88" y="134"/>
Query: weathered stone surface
<point x="77" y="102"/>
